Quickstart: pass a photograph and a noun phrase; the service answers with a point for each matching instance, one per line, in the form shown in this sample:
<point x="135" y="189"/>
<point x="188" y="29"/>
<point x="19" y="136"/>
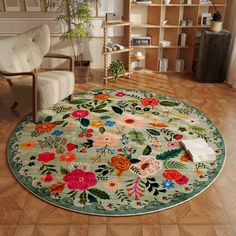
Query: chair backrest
<point x="24" y="52"/>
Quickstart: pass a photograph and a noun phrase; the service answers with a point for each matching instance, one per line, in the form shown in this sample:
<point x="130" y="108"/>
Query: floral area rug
<point x="114" y="152"/>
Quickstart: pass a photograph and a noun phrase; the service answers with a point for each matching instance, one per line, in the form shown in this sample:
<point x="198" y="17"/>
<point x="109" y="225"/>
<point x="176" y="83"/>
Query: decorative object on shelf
<point x="183" y="22"/>
<point x="107" y="153"/>
<point x="189" y="22"/>
<point x="141" y="41"/>
<point x="165" y="43"/>
<point x="164" y="22"/>
<point x="216" y="22"/>
<point x="12" y="5"/>
<point x="166" y="2"/>
<point x="189" y="2"/>
<point x="179" y="65"/>
<point x="117" y="68"/>
<point x="139" y="57"/>
<point x="182" y="39"/>
<point x="113" y="18"/>
<point x="144" y="2"/>
<point x="77" y="17"/>
<point x="163" y="65"/>
<point x="32" y="5"/>
<point x="206" y="19"/>
<point x="110" y="47"/>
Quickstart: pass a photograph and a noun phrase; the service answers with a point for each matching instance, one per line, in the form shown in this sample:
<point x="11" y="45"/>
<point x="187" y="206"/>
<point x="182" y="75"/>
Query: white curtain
<point x="231" y="26"/>
<point x="232" y="66"/>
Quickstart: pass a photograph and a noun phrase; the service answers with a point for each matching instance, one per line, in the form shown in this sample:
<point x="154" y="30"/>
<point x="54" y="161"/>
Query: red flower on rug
<point x="80" y="113"/>
<point x="150" y="102"/>
<point x="172" y="174"/>
<point x="48" y="178"/>
<point x="182" y="180"/>
<point x="46" y="157"/>
<point x="79" y="179"/>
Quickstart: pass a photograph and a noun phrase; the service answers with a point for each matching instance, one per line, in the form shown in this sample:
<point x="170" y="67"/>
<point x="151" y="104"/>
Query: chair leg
<point x="14" y="106"/>
<point x="70" y="97"/>
<point x="35" y="116"/>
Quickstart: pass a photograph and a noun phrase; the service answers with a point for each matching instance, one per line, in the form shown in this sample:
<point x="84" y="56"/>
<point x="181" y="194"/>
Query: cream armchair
<point x="20" y="58"/>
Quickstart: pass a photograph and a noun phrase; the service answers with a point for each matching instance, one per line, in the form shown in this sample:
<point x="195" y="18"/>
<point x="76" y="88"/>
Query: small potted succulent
<point x="117" y="68"/>
<point x="216" y="22"/>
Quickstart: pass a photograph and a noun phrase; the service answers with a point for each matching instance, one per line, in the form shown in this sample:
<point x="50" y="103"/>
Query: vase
<point x="216" y="26"/>
<point x="81" y="70"/>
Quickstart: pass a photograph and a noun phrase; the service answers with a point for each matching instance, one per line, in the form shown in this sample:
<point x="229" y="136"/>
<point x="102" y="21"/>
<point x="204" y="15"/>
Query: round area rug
<point x="114" y="152"/>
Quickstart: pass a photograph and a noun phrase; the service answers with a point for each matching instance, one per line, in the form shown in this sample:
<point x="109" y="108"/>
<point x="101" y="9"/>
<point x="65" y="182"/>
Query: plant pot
<point x="216" y="26"/>
<point x="81" y="71"/>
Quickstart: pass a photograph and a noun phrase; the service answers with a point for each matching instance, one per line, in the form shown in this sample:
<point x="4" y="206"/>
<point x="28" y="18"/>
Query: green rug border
<point x="132" y="212"/>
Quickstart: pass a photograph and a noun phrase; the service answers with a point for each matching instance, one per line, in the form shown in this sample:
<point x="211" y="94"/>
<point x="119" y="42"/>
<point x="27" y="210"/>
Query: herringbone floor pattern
<point x="212" y="213"/>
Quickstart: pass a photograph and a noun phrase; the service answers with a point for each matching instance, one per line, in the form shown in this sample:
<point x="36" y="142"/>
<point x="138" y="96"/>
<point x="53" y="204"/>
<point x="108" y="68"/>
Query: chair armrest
<point x="8" y="74"/>
<point x="62" y="56"/>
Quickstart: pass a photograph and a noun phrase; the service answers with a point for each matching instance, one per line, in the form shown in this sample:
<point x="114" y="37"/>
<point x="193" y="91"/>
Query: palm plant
<point x="77" y="17"/>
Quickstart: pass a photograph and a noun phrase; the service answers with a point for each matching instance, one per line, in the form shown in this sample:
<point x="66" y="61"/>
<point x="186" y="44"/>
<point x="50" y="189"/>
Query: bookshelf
<point x="148" y="20"/>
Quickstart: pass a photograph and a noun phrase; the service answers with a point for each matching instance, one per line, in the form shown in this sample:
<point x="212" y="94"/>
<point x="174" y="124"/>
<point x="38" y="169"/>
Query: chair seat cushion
<point x="53" y="86"/>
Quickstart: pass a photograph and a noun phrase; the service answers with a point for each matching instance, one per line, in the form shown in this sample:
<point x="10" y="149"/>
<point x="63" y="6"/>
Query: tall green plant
<point x="77" y="17"/>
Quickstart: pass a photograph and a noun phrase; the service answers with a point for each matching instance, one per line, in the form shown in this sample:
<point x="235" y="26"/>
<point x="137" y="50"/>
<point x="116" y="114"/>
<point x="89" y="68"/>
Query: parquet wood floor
<point x="212" y="213"/>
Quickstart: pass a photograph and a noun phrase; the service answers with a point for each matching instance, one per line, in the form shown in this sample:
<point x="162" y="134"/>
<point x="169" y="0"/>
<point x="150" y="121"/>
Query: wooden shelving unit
<point x="150" y="23"/>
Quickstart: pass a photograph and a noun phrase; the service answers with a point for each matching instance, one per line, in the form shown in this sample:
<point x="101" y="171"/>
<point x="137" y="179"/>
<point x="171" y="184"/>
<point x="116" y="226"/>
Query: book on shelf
<point x="179" y="65"/>
<point x="143" y="2"/>
<point x="163" y="65"/>
<point x="198" y="150"/>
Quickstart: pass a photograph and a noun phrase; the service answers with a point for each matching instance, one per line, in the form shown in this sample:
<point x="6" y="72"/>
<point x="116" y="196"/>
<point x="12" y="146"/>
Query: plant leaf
<point x="117" y="110"/>
<point x="99" y="193"/>
<point x="100" y="111"/>
<point x="134" y="161"/>
<point x="79" y="101"/>
<point x="64" y="171"/>
<point x="169" y="164"/>
<point x="197" y="128"/>
<point x="48" y="118"/>
<point x="169" y="103"/>
<point x="169" y="154"/>
<point x="102" y="130"/>
<point x="65" y="116"/>
<point x="153" y="132"/>
<point x="147" y="150"/>
<point x="85" y="122"/>
<point x="137" y="137"/>
<point x="57" y="122"/>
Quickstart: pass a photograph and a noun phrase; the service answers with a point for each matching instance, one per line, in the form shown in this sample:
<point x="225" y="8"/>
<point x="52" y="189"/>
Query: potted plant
<point x="117" y="68"/>
<point x="216" y="22"/>
<point x="77" y="18"/>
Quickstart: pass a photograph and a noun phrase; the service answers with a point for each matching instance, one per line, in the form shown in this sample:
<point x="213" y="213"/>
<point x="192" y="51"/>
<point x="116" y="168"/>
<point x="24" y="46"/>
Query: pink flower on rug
<point x="80" y="113"/>
<point x="79" y="179"/>
<point x="46" y="157"/>
<point x="47" y="178"/>
<point x="148" y="166"/>
<point x="130" y="121"/>
<point x="120" y="94"/>
<point x="107" y="138"/>
<point x="182" y="180"/>
<point x="112" y="184"/>
<point x="67" y="157"/>
<point x="150" y="102"/>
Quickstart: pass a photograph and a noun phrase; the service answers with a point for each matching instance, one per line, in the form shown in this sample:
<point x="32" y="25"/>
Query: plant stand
<point x="127" y="49"/>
